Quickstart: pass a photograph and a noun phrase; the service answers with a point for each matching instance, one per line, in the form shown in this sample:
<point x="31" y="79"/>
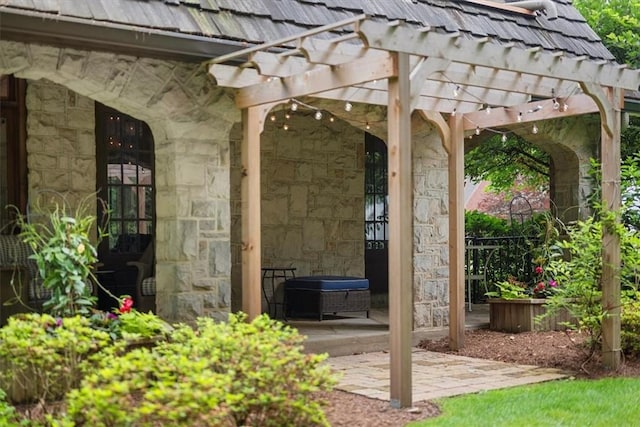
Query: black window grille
<point x="376" y="204"/>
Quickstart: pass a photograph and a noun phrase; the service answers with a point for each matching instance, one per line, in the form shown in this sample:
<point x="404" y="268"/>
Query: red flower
<point x="127" y="305"/>
<point x="538" y="270"/>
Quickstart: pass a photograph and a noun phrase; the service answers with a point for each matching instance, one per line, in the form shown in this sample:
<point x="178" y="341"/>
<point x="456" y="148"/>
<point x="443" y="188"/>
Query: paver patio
<point x="436" y="375"/>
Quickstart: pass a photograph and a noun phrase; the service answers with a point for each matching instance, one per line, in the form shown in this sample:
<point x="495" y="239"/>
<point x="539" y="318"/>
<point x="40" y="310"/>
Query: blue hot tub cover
<point x="327" y="283"/>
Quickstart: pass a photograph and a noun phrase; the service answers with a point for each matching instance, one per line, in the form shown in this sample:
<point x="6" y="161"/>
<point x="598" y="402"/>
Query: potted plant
<point x="519" y="305"/>
<point x="65" y="255"/>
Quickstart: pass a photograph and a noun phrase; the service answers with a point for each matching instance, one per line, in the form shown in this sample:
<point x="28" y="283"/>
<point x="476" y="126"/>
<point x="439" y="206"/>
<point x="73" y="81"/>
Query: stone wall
<point x="190" y="121"/>
<point x="312" y="187"/>
<point x="61" y="153"/>
<point x="430" y="231"/>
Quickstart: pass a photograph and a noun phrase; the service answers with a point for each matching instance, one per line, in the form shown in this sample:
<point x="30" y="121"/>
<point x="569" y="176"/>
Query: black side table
<point x="270" y="291"/>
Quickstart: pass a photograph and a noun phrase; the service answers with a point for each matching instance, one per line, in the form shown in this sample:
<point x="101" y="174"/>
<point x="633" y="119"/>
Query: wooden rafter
<point x="457" y="48"/>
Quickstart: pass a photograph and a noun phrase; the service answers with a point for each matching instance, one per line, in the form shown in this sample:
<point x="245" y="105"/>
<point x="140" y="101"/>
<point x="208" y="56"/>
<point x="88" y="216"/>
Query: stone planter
<point x="518" y="315"/>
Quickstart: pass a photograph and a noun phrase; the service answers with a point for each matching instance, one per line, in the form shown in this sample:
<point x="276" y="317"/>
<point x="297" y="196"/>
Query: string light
<point x="504" y="137"/>
<point x="519" y="117"/>
<point x="368" y="126"/>
<point x="272" y="118"/>
<point x="488" y="110"/>
<point x="287" y="116"/>
<point x="285" y="126"/>
<point x="535" y="129"/>
<point x="294" y="106"/>
<point x="453" y="113"/>
<point x="477" y="130"/>
<point x="565" y="107"/>
<point x="348" y="106"/>
<point x="556" y="104"/>
<point x="332" y="119"/>
<point x="318" y="115"/>
<point x="456" y="91"/>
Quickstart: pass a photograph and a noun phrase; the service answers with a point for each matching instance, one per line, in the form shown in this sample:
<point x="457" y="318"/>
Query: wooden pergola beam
<point x="315" y="81"/>
<point x="531" y="112"/>
<point x="458" y="48"/>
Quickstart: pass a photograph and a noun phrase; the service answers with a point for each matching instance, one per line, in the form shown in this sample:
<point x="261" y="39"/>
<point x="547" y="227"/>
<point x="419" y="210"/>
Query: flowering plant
<point x="127" y="322"/>
<point x="540" y="286"/>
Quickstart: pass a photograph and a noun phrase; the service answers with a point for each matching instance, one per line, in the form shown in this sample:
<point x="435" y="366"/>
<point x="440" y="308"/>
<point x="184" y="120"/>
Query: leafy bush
<point x="65" y="254"/>
<point x="233" y="373"/>
<point x="479" y="224"/>
<point x="8" y="416"/>
<point x="579" y="273"/>
<point x="40" y="355"/>
<point x="630" y="323"/>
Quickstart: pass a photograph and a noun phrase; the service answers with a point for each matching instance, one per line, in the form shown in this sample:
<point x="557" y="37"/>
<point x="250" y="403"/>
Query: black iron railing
<point x="489" y="260"/>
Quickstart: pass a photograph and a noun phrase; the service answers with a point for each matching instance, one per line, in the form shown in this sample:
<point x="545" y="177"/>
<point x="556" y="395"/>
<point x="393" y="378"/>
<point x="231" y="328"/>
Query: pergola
<point x="451" y="80"/>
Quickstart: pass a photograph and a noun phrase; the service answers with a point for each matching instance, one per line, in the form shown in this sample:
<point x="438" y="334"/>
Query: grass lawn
<point x="606" y="402"/>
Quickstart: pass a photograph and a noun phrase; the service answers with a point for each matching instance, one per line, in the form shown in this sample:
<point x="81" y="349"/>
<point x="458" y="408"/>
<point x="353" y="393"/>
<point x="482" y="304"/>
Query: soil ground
<point x="549" y="349"/>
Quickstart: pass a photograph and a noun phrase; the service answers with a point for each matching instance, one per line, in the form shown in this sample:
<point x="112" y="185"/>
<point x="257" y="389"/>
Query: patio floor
<point x="359" y="354"/>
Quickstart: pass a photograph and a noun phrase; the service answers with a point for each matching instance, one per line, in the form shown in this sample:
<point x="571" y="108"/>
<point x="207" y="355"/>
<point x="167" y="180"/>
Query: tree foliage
<point x="617" y="23"/>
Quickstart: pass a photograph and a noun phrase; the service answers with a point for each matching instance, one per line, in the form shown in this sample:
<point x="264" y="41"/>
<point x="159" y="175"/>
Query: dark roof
<point x="239" y="22"/>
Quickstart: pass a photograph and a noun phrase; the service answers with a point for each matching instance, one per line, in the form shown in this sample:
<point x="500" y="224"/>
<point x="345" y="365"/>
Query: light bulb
<point x="477" y="130"/>
<point x="556" y="104"/>
<point x="285" y="126"/>
<point x="294" y="106"/>
<point x="332" y="119"/>
<point x="273" y="118"/>
<point x="565" y="107"/>
<point x="453" y="113"/>
<point x="488" y="110"/>
<point x="504" y="137"/>
<point x="318" y="115"/>
<point x="287" y="116"/>
<point x="368" y="126"/>
<point x="456" y="91"/>
<point x="519" y="117"/>
<point x="348" y="106"/>
<point x="535" y="129"/>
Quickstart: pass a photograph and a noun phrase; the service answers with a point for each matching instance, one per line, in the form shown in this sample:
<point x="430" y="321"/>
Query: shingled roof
<point x="234" y="23"/>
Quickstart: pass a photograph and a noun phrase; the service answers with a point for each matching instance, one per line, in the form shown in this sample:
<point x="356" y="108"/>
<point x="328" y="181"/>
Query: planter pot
<point x="518" y="315"/>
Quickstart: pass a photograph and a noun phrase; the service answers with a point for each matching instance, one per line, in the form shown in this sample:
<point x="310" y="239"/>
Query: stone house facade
<point x="312" y="173"/>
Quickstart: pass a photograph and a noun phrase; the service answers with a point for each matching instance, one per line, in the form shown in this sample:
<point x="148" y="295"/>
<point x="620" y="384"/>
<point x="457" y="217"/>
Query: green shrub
<point x="40" y="355"/>
<point x="479" y="224"/>
<point x="8" y="416"/>
<point x="64" y="254"/>
<point x="630" y="323"/>
<point x="579" y="273"/>
<point x="233" y="373"/>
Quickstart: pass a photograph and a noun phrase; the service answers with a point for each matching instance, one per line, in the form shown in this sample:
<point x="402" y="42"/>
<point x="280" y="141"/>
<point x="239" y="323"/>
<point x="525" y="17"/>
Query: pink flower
<point x="126" y="305"/>
<point x="539" y="270"/>
<point x="553" y="283"/>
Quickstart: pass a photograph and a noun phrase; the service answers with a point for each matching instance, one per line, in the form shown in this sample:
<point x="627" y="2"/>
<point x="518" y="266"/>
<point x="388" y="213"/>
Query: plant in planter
<point x="519" y="305"/>
<point x="65" y="256"/>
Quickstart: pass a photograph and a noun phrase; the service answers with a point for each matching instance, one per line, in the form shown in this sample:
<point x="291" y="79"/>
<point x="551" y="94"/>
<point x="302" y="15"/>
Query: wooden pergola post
<point x="456" y="232"/>
<point x="400" y="232"/>
<point x="611" y="258"/>
<point x="252" y="122"/>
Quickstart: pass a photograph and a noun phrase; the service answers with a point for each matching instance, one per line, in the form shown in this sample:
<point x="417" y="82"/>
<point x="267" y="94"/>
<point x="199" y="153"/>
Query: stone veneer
<point x="61" y="154"/>
<point x="190" y="121"/>
<point x="312" y="176"/>
<point x="312" y="183"/>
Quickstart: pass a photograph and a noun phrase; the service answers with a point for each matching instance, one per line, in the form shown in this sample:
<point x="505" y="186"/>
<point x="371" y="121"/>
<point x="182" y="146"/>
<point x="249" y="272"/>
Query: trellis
<point x="452" y="80"/>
